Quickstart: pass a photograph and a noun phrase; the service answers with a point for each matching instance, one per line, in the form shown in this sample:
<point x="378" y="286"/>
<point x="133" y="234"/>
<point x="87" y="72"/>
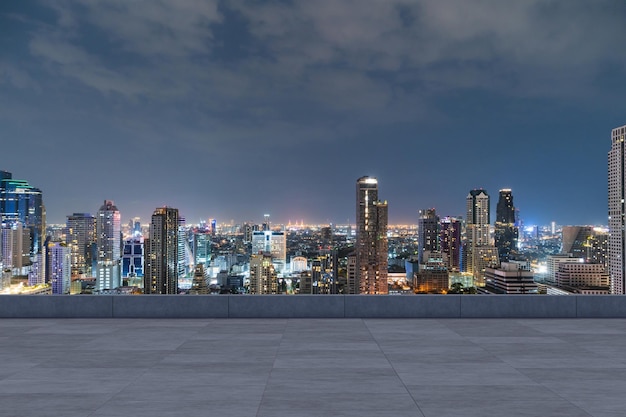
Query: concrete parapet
<point x="518" y="306"/>
<point x="286" y="306"/>
<point x="313" y="306"/>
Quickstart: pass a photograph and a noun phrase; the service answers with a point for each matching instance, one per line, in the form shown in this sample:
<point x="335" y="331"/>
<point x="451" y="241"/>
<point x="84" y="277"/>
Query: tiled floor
<point x="299" y="367"/>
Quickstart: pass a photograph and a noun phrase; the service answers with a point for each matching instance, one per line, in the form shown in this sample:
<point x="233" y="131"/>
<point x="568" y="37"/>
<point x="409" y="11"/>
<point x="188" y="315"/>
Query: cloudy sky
<point x="233" y="109"/>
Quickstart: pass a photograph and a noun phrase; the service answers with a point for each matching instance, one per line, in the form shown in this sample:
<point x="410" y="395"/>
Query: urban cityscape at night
<point x="473" y="253"/>
<point x="312" y="208"/>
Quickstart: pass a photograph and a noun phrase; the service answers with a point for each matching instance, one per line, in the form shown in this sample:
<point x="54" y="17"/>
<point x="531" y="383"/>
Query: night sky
<point x="233" y="109"/>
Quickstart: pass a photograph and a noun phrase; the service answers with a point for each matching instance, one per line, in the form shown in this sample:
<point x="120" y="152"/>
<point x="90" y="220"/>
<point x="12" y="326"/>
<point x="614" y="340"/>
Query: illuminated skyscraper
<point x="506" y="232"/>
<point x="617" y="211"/>
<point x="263" y="278"/>
<point x="450" y="242"/>
<point x="20" y="202"/>
<point x="161" y="264"/>
<point x="58" y="266"/>
<point x="428" y="233"/>
<point x="80" y="237"/>
<point x="371" y="239"/>
<point x="273" y="242"/>
<point x="480" y="251"/>
<point x="108" y="241"/>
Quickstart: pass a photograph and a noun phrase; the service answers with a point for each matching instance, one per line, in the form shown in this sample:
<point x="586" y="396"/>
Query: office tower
<point x="108" y="241"/>
<point x="480" y="251"/>
<point x="371" y="238"/>
<point x="433" y="277"/>
<point x="352" y="285"/>
<point x="617" y="211"/>
<point x="15" y="246"/>
<point x="80" y="236"/>
<point x="506" y="233"/>
<point x="185" y="257"/>
<point x="201" y="245"/>
<point x="133" y="261"/>
<point x="199" y="285"/>
<point x="450" y="242"/>
<point x="428" y="233"/>
<point x="266" y="222"/>
<point x="553" y="265"/>
<point x="161" y="264"/>
<point x="58" y="266"/>
<point x="263" y="278"/>
<point x="585" y="242"/>
<point x="581" y="275"/>
<point x="510" y="278"/>
<point x="274" y="243"/>
<point x="20" y="202"/>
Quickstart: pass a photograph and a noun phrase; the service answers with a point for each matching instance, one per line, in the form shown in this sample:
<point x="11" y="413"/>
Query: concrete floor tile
<point x="462" y="374"/>
<point x="492" y="407"/>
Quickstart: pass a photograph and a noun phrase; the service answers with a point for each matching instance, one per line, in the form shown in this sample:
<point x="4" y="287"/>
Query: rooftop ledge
<point x="313" y="306"/>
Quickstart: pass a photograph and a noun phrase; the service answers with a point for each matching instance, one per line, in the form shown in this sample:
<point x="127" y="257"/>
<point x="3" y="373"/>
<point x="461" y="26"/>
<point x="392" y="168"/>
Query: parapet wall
<point x="313" y="306"/>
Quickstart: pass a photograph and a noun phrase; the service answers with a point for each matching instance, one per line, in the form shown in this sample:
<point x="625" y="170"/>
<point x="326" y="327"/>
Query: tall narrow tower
<point x="161" y="264"/>
<point x="428" y="232"/>
<point x="108" y="239"/>
<point x="371" y="239"/>
<point x="506" y="233"/>
<point x="480" y="251"/>
<point x="617" y="211"/>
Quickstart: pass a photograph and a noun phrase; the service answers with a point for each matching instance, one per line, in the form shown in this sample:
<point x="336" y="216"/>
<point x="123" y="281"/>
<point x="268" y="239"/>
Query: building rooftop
<point x="312" y="367"/>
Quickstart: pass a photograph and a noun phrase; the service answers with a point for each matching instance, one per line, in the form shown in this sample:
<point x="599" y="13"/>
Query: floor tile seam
<point x="394" y="370"/>
<point x="547" y="388"/>
<point x="269" y="376"/>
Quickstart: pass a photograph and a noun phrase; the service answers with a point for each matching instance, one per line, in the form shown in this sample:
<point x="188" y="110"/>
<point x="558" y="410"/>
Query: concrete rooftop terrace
<point x="312" y="367"/>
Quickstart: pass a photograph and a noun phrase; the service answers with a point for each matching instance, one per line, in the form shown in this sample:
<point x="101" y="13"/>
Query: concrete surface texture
<point x="312" y="367"/>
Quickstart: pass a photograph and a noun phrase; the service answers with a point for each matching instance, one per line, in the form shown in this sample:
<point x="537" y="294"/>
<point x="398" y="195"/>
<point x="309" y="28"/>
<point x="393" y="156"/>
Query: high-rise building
<point x="14" y="246"/>
<point x="58" y="266"/>
<point x="80" y="237"/>
<point x="450" y="242"/>
<point x="479" y="251"/>
<point x="201" y="245"/>
<point x="428" y="232"/>
<point x="586" y="242"/>
<point x="108" y="241"/>
<point x="273" y="242"/>
<point x="371" y="239"/>
<point x="510" y="278"/>
<point x="617" y="211"/>
<point x="506" y="233"/>
<point x="133" y="261"/>
<point x="20" y="202"/>
<point x="199" y="285"/>
<point x="263" y="278"/>
<point x="161" y="263"/>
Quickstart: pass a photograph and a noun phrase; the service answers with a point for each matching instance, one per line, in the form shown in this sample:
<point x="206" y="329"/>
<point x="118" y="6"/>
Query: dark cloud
<point x="325" y="90"/>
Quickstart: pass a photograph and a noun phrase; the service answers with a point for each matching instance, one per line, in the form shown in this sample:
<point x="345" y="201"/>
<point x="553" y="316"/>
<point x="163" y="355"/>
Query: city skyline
<point x="233" y="109"/>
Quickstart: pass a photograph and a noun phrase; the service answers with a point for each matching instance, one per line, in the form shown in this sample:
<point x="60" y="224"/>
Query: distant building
<point x="506" y="232"/>
<point x="617" y="211"/>
<point x="133" y="261"/>
<point x="427" y="232"/>
<point x="479" y="250"/>
<point x="371" y="239"/>
<point x="108" y="241"/>
<point x="450" y="242"/>
<point x="510" y="278"/>
<point x="433" y="277"/>
<point x="58" y="266"/>
<point x="553" y="265"/>
<point x="161" y="261"/>
<point x="581" y="275"/>
<point x="199" y="285"/>
<point x="263" y="278"/>
<point x="585" y="242"/>
<point x="20" y="202"/>
<point x="273" y="242"/>
<point x="80" y="237"/>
